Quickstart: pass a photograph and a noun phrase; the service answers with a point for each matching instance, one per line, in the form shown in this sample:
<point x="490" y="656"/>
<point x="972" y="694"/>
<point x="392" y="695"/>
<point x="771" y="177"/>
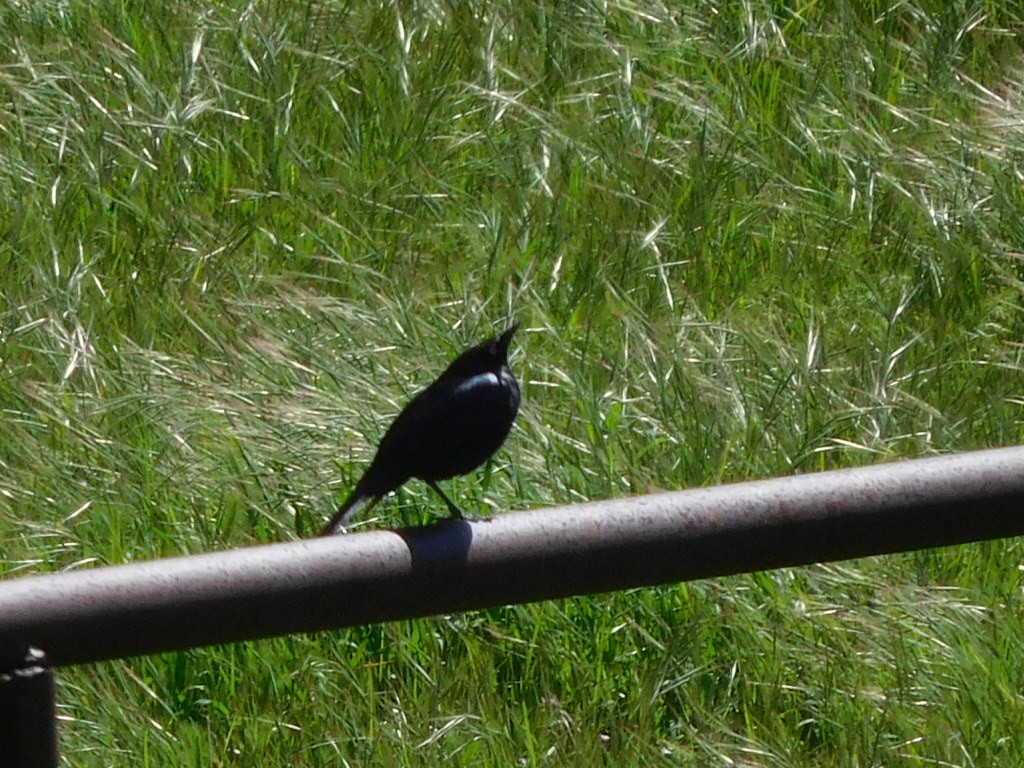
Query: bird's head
<point x="491" y="355"/>
<point x="500" y="343"/>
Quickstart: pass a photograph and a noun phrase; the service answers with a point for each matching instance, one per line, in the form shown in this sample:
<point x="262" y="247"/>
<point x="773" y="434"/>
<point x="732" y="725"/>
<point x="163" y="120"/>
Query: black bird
<point x="450" y="428"/>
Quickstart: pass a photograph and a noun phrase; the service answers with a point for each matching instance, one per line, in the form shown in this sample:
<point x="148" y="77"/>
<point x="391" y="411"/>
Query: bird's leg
<point x="455" y="511"/>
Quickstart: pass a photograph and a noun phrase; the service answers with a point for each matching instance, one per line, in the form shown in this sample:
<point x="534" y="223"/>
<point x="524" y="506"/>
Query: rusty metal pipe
<point x="140" y="608"/>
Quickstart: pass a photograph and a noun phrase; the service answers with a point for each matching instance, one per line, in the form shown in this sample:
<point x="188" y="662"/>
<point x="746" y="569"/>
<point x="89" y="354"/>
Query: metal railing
<point x="85" y="616"/>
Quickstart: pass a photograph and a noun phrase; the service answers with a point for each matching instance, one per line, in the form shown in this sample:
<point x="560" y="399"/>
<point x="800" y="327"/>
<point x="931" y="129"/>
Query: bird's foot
<point x="463" y="517"/>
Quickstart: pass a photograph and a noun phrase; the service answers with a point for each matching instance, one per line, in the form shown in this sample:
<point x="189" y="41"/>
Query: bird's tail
<point x="355" y="502"/>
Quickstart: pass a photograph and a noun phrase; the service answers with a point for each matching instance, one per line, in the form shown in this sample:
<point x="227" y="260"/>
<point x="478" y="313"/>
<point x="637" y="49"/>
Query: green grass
<point x="744" y="240"/>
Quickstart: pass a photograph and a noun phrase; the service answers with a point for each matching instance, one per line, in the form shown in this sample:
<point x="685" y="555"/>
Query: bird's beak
<point x="505" y="339"/>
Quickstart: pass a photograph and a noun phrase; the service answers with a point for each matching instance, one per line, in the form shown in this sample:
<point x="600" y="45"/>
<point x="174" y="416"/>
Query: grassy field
<point x="743" y="239"/>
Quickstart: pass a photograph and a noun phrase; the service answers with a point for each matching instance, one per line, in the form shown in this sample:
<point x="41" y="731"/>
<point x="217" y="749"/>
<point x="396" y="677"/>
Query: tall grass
<point x="744" y="240"/>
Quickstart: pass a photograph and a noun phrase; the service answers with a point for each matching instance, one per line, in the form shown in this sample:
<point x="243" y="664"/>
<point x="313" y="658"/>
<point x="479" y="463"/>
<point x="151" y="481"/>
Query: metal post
<point x="28" y="714"/>
<point x="125" y="610"/>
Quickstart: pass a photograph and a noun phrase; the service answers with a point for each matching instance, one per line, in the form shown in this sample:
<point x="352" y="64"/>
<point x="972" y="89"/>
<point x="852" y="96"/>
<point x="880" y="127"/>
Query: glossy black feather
<point x="448" y="429"/>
